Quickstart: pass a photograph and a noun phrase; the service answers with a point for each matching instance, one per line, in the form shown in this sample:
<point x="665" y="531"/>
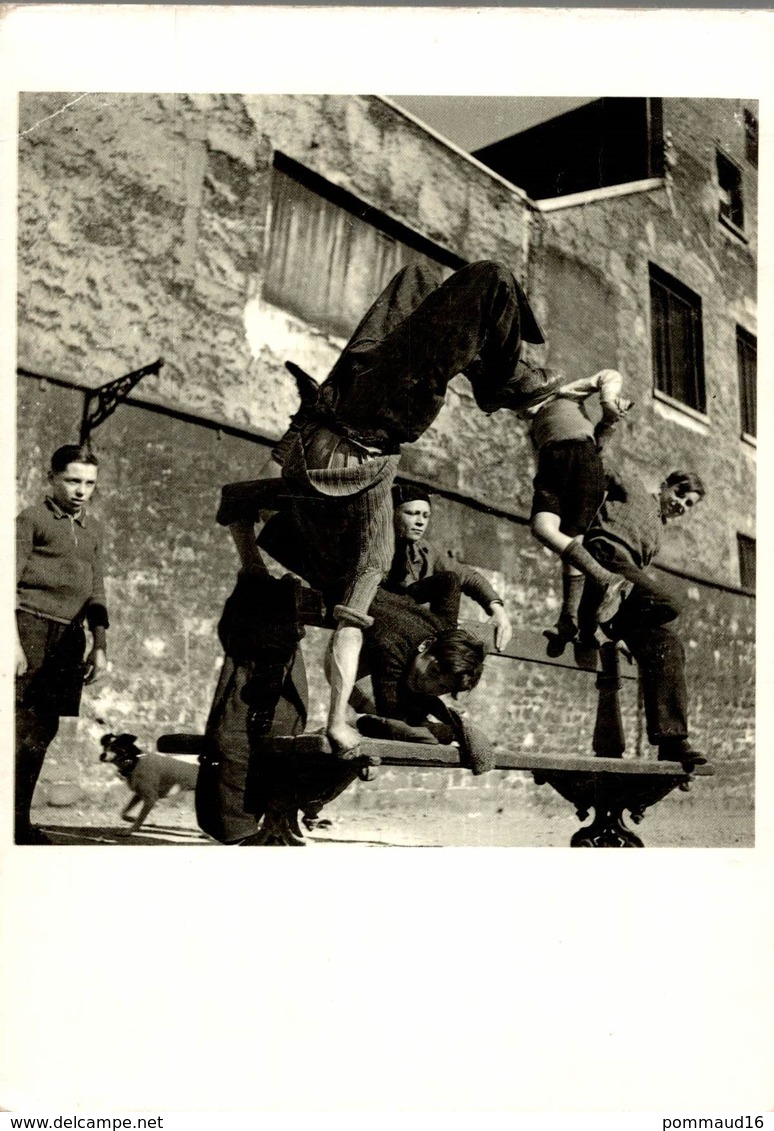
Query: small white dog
<point x="149" y="776"/>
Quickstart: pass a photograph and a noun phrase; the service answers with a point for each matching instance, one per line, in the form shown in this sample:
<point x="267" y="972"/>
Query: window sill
<point x="730" y="226"/>
<point x="749" y="440"/>
<point x="681" y="413"/>
<point x="590" y="196"/>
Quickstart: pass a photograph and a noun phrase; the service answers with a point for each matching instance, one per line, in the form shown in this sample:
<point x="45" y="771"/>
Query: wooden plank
<point x="530" y="646"/>
<point x="526" y="644"/>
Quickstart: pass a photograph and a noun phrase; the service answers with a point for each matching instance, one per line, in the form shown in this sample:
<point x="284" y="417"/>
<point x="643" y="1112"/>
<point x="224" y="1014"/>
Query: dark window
<point x="730" y="189"/>
<point x="746" y="548"/>
<point x="330" y="255"/>
<point x="747" y="363"/>
<point x="751" y="138"/>
<point x="678" y="365"/>
<point x="610" y="141"/>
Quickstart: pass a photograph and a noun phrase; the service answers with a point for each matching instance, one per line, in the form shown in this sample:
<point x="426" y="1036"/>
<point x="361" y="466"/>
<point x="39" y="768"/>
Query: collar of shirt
<point x="57" y="511"/>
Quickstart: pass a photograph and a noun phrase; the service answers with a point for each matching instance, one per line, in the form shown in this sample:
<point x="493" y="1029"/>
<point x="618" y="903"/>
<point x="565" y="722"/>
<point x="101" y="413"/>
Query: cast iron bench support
<point x="609" y="786"/>
<point x="295" y="773"/>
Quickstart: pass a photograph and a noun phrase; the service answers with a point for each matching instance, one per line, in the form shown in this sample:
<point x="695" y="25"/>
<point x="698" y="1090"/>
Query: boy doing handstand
<point x="339" y="458"/>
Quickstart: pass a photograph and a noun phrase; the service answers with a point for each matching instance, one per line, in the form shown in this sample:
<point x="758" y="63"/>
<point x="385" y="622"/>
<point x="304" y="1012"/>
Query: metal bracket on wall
<point x="103" y="401"/>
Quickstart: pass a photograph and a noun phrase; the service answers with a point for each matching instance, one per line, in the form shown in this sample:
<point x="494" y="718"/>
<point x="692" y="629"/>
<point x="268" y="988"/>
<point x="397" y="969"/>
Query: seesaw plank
<point x="421" y="754"/>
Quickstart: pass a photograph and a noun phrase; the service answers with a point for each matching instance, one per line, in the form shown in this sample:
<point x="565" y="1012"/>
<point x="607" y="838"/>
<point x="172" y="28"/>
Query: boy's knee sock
<point x="577" y="555"/>
<point x="572" y="591"/>
<point x="611" y="584"/>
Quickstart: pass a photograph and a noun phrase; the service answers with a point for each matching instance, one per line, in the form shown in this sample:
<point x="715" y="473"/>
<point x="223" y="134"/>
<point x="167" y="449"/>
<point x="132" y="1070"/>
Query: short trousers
<point x="55" y="672"/>
<point x="570" y="482"/>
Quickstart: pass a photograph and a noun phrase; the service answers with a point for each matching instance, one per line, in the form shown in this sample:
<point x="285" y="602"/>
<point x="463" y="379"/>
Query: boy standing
<point x="625" y="537"/>
<point x="59" y="588"/>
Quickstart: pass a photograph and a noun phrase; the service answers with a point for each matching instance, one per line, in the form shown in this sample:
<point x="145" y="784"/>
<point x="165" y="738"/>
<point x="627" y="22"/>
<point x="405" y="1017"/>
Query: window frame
<point x="751" y="137"/>
<point x="748" y="393"/>
<point x="333" y="204"/>
<point x="668" y="294"/>
<point x="731" y="214"/>
<point x="747" y="558"/>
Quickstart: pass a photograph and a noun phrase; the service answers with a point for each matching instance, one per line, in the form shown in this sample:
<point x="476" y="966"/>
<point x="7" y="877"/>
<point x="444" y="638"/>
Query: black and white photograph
<point x="415" y="478"/>
<point x="386" y="462"/>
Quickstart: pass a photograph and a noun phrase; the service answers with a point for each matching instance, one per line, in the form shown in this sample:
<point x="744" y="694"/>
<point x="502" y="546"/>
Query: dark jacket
<point x="392" y="642"/>
<point x="414" y="561"/>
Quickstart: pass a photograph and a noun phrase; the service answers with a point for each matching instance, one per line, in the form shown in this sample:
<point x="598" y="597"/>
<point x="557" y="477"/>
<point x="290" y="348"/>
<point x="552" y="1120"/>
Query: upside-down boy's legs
<point x="474" y="316"/>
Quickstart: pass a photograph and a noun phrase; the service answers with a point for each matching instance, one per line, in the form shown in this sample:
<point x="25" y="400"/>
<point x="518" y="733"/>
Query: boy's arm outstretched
<point x="608" y="383"/>
<point x="614" y="406"/>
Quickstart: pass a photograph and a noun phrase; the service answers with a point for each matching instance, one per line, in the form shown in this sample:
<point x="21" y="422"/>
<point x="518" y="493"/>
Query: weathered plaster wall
<point x="143" y="231"/>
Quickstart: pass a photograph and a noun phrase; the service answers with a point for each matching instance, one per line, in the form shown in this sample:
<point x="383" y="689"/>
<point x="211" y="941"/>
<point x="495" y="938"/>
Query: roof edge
<point x="468" y="157"/>
<point x="590" y="196"/>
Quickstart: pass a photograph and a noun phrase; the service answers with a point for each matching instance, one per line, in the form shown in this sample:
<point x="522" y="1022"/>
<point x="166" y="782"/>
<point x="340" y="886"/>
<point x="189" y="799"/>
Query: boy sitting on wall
<point x="416" y="562"/>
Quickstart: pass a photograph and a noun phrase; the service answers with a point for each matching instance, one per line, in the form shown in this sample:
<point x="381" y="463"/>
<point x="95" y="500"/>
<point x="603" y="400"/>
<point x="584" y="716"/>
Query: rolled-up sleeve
<point x="610" y="384"/>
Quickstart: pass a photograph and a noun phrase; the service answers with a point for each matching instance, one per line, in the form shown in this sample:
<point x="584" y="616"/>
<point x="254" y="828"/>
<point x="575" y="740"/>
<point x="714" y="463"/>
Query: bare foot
<point x="344" y="740"/>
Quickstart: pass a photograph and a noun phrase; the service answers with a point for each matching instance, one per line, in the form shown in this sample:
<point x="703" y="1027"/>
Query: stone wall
<point x="593" y="269"/>
<point x="170" y="569"/>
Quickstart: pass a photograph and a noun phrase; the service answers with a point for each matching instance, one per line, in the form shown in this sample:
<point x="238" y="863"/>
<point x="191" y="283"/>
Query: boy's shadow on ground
<point x="117" y="835"/>
<point x="155" y="835"/>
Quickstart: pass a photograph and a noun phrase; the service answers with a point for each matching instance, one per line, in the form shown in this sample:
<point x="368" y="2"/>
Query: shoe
<point x="311" y="823"/>
<point x="680" y="750"/>
<point x="586" y="652"/>
<point x="611" y="602"/>
<point x="33" y="836"/>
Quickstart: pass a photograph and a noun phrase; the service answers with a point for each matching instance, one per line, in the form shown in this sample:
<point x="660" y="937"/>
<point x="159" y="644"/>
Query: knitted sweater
<point x="629" y="517"/>
<point x="400" y="626"/>
<point x="59" y="566"/>
<point x="414" y="561"/>
<point x="564" y="417"/>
